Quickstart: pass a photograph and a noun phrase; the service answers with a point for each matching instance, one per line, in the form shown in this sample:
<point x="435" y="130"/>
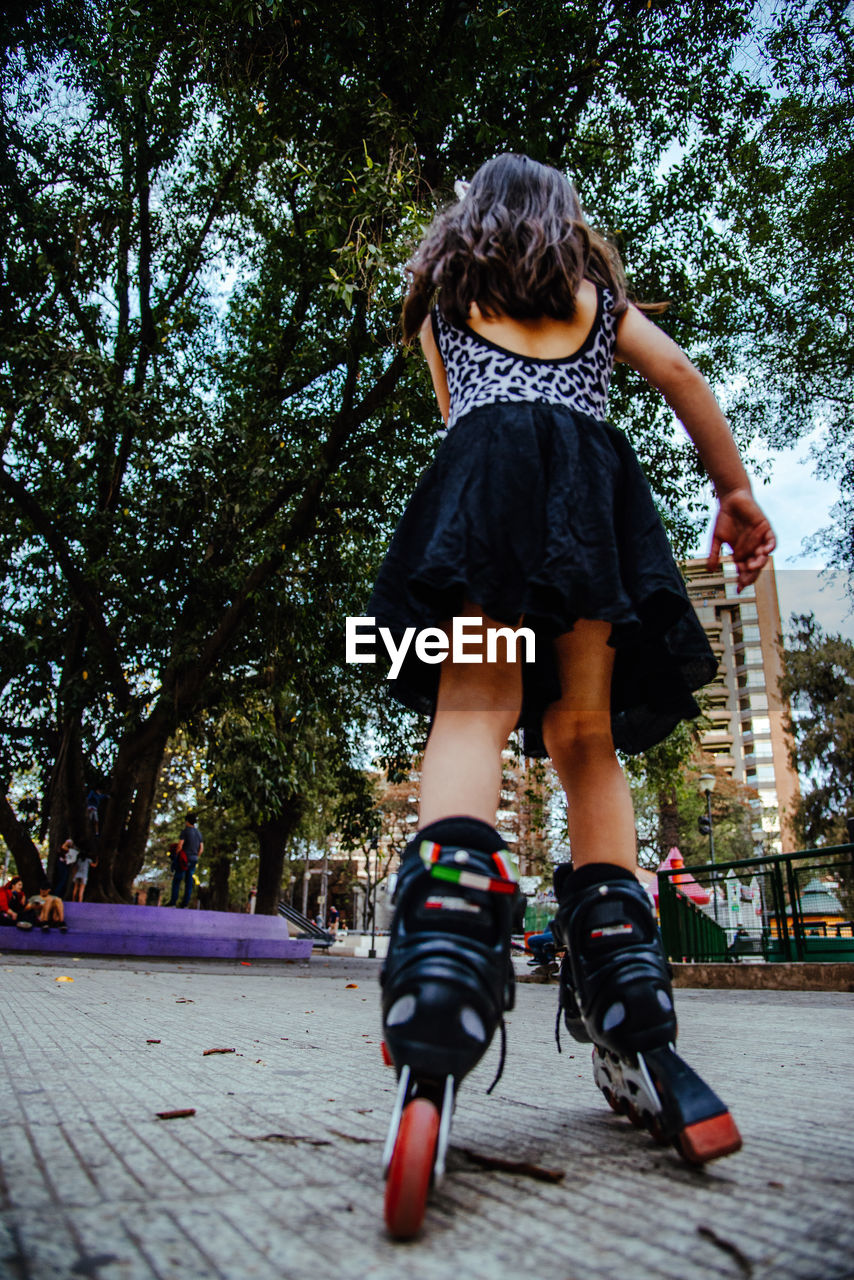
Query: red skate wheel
<point x="634" y="1115"/>
<point x="612" y="1101"/>
<point x="658" y="1131"/>
<point x="411" y="1169"/>
<point x="709" y="1139"/>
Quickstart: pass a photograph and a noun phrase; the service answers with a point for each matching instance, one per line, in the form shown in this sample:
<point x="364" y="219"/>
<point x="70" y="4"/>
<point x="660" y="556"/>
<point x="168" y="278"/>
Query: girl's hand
<point x="743" y="525"/>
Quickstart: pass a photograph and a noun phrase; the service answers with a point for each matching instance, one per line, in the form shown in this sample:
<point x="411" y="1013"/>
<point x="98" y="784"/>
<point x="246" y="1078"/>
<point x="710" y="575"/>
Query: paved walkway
<point x="277" y="1172"/>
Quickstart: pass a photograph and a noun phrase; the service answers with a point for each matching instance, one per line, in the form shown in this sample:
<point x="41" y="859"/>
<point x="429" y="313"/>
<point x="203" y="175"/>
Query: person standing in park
<point x="81" y="876"/>
<point x="536" y="526"/>
<point x="191" y="846"/>
<point x="68" y="855"/>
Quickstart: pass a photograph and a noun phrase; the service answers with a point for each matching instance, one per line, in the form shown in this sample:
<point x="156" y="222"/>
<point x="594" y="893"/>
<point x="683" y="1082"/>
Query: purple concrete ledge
<point x="110" y="930"/>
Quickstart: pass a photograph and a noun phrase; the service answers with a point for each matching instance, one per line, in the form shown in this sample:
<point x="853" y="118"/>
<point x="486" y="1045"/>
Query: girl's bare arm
<point x="740" y="521"/>
<point x="437" y="368"/>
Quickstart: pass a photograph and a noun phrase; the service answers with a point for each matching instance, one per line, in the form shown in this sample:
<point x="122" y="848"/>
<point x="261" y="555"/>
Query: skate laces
<point x="502" y="1054"/>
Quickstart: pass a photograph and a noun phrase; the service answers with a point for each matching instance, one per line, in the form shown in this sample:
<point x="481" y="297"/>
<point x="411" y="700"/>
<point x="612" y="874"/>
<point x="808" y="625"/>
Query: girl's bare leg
<point x="477" y="708"/>
<point x="577" y="733"/>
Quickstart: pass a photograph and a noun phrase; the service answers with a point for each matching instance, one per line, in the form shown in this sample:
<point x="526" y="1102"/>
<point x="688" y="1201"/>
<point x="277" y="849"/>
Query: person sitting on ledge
<point x="13" y="905"/>
<point x="50" y="908"/>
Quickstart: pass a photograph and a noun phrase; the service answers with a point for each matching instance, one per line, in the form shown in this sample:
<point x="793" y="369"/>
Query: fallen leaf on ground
<point x="728" y="1247"/>
<point x="352" y="986"/>
<point x="152" y="1042"/>
<point x="206" y="1052"/>
<point x="522" y="1167"/>
<point x="355" y="1137"/>
<point x="176" y="1115"/>
<point x="64" y="979"/>
<point x="293" y="1138"/>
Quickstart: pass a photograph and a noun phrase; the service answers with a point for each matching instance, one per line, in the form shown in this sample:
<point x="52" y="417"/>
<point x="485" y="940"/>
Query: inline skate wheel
<point x="633" y="1115"/>
<point x="387" y="1058"/>
<point x="658" y="1131"/>
<point x="612" y="1101"/>
<point x="411" y="1169"/>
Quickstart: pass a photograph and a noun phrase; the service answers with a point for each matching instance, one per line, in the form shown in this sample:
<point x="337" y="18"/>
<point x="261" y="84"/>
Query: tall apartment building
<point x="747" y="737"/>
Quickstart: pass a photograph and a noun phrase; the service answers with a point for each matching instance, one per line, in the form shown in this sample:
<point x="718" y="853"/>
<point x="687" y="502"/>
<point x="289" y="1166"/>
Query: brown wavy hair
<point x="517" y="245"/>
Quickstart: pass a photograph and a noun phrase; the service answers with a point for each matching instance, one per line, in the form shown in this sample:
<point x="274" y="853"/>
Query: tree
<point x="204" y="209"/>
<point x="528" y="789"/>
<point x="668" y="804"/>
<point x="792" y="213"/>
<point x="819" y="685"/>
<point x="167" y="451"/>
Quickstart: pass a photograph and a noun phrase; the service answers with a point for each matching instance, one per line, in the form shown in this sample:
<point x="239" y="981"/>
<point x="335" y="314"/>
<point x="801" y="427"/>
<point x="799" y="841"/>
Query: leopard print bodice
<point x="481" y="373"/>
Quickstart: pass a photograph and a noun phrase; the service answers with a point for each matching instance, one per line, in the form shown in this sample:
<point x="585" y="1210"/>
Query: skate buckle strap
<point x="609" y="931"/>
<point x="449" y="864"/>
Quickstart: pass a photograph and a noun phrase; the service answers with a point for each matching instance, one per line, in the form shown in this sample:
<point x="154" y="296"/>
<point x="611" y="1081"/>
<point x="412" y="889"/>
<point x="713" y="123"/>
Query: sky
<point x="798" y="505"/>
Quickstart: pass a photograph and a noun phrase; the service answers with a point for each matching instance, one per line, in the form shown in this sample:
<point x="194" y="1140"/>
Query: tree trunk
<point x="28" y="863"/>
<point x="120" y="849"/>
<point x="67" y="795"/>
<point x="131" y="851"/>
<point x="668" y="822"/>
<point x="272" y="838"/>
<point x="220" y="872"/>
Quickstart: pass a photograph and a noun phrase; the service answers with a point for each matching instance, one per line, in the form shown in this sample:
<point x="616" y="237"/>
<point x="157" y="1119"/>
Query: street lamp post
<point x="758" y="835"/>
<point x="706" y="783"/>
<point x="375" y="840"/>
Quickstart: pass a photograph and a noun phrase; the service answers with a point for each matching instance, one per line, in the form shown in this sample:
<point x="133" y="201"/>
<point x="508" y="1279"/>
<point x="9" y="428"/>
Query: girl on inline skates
<point x="535" y="513"/>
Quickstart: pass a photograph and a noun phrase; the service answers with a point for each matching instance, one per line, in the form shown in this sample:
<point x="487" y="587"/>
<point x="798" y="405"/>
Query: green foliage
<point x="668" y="803"/>
<point x="792" y="213"/>
<point x="819" y="684"/>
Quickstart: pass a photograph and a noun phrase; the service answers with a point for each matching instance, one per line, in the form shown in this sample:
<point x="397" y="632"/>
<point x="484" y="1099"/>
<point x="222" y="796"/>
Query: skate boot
<point x="446" y="983"/>
<point x="615" y="992"/>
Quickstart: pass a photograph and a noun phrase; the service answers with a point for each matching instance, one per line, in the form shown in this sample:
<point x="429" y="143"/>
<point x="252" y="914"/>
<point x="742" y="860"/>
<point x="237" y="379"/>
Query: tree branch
<point x="27" y="858"/>
<point x="297" y="529"/>
<point x="82" y="590"/>
<point x="195" y="252"/>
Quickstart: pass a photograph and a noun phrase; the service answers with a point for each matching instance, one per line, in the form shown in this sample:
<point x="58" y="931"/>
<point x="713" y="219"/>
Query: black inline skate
<point x="615" y="992"/>
<point x="446" y="983"/>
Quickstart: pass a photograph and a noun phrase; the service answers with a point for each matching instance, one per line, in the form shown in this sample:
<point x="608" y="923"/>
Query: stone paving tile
<point x="277" y="1174"/>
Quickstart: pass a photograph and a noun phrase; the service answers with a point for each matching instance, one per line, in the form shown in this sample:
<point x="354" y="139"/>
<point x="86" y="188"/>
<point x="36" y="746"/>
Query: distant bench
<point x="110" y="929"/>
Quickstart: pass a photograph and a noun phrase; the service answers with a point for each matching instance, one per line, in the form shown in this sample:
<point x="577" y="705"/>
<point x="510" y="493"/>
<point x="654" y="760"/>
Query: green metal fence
<point x="688" y="933"/>
<point x="538" y="915"/>
<point x="783" y="907"/>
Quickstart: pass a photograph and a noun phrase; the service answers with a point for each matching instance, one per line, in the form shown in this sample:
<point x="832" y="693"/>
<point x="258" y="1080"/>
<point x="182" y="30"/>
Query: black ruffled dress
<point x="534" y="505"/>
